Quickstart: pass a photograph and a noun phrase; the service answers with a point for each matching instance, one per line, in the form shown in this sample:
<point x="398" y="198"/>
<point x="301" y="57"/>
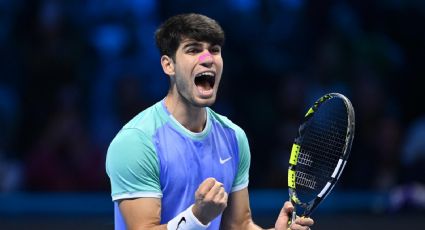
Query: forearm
<point x="153" y="227"/>
<point x="184" y="221"/>
<point x="248" y="225"/>
<point x="253" y="226"/>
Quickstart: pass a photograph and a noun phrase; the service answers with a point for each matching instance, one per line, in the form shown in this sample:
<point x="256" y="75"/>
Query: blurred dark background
<point x="73" y="72"/>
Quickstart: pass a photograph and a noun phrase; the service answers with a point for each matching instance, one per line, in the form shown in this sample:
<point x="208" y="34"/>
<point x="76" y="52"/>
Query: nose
<point x="205" y="57"/>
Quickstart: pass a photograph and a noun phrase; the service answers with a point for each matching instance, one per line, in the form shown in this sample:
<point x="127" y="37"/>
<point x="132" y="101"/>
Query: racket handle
<point x="293" y="216"/>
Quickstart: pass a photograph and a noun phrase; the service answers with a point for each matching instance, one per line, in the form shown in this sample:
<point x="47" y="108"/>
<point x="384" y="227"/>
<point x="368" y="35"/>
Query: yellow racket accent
<point x="310" y="111"/>
<point x="295" y="199"/>
<point x="294" y="154"/>
<point x="291" y="178"/>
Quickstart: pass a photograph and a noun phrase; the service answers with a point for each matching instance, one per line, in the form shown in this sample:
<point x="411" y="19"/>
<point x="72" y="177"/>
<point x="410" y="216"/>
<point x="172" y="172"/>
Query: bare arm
<point x="142" y="213"/>
<point x="238" y="215"/>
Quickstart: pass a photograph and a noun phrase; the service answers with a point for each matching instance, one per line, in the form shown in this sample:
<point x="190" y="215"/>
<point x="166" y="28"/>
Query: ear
<point x="167" y="64"/>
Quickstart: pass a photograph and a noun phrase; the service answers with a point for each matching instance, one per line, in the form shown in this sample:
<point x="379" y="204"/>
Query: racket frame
<point x="310" y="206"/>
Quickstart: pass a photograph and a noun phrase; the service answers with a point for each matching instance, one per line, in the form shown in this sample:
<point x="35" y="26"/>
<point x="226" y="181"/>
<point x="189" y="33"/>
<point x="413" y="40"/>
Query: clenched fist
<point x="210" y="200"/>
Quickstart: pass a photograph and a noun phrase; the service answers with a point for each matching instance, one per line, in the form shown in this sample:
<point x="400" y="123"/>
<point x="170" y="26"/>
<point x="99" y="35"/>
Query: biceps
<point x="141" y="213"/>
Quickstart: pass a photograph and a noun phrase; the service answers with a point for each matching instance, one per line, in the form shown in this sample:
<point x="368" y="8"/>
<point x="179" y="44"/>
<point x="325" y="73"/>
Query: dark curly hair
<point x="194" y="26"/>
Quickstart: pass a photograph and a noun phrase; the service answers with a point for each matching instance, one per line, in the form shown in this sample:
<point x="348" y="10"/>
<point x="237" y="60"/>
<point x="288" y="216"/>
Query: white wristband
<point x="186" y="221"/>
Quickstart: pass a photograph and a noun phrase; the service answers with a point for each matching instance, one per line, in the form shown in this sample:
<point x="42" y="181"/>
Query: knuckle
<point x="294" y="226"/>
<point x="216" y="199"/>
<point x="298" y="227"/>
<point x="207" y="199"/>
<point x="200" y="195"/>
<point x="210" y="180"/>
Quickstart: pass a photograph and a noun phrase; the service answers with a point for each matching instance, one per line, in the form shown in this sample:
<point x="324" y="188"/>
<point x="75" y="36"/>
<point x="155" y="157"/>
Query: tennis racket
<point x="320" y="152"/>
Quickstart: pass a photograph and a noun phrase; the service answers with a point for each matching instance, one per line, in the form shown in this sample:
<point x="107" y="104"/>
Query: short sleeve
<point x="132" y="166"/>
<point x="242" y="176"/>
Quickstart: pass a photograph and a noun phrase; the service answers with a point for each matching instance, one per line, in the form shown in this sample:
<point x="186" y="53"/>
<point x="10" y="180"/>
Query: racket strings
<point x="306" y="180"/>
<point x="322" y="144"/>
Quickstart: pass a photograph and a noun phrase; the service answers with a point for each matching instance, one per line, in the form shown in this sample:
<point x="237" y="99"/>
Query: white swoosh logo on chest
<point x="225" y="160"/>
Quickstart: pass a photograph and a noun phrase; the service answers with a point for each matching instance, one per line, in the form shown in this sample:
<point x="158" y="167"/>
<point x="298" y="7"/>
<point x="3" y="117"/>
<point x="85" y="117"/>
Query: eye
<point x="215" y="50"/>
<point x="193" y="50"/>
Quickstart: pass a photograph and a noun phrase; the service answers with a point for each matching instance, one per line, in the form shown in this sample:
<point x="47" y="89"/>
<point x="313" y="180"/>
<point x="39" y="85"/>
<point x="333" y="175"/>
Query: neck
<point x="191" y="117"/>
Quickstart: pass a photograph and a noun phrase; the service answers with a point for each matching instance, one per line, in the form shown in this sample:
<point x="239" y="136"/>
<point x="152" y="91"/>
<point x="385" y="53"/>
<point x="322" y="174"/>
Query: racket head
<point x="320" y="151"/>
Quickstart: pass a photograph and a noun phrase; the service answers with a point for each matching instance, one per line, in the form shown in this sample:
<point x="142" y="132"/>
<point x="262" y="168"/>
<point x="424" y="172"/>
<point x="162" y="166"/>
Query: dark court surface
<point x="323" y="222"/>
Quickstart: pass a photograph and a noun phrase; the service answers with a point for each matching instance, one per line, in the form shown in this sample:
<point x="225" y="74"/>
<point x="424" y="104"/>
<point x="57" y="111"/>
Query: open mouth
<point x="205" y="81"/>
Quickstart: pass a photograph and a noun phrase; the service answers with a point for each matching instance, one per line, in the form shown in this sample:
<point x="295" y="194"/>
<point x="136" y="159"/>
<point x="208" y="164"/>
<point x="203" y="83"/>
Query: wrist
<point x="186" y="220"/>
<point x="196" y="213"/>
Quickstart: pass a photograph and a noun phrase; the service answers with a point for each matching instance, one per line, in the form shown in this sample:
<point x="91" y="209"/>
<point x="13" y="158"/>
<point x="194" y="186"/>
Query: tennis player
<point x="178" y="164"/>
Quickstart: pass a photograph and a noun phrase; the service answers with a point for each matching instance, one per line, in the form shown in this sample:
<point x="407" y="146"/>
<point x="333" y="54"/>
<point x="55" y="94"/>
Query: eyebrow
<point x="192" y="43"/>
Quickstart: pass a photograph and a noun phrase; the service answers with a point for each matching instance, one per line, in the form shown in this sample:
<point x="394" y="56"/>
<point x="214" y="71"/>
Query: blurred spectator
<point x="387" y="142"/>
<point x="53" y="48"/>
<point x="290" y="109"/>
<point x="11" y="173"/>
<point x="413" y="157"/>
<point x="407" y="197"/>
<point x="369" y="104"/>
<point x="63" y="158"/>
<point x="10" y="167"/>
<point x="118" y="92"/>
<point x="102" y="55"/>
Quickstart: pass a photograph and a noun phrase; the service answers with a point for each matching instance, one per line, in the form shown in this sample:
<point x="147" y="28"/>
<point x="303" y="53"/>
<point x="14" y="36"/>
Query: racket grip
<point x="293" y="216"/>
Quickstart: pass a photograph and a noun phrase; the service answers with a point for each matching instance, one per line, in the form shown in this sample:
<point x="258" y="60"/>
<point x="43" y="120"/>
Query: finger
<point x="223" y="200"/>
<point x="217" y="188"/>
<point x="288" y="208"/>
<point x="218" y="191"/>
<point x="304" y="221"/>
<point x="205" y="187"/>
<point x="225" y="197"/>
<point x="284" y="216"/>
<point x="215" y="191"/>
<point x="286" y="212"/>
<point x="221" y="195"/>
<point x="298" y="227"/>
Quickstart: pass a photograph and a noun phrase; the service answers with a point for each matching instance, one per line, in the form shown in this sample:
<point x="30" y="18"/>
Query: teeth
<point x="205" y="74"/>
<point x="205" y="79"/>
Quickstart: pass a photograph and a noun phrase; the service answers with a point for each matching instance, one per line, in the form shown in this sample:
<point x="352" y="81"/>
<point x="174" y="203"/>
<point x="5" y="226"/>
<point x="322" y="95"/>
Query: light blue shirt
<point x="155" y="156"/>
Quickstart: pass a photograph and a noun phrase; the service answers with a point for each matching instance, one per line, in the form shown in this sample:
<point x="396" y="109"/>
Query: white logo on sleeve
<point x="225" y="160"/>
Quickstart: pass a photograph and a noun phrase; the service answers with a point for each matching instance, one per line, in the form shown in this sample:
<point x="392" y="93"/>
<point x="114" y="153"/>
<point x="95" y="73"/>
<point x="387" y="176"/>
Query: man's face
<point x="198" y="69"/>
